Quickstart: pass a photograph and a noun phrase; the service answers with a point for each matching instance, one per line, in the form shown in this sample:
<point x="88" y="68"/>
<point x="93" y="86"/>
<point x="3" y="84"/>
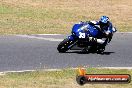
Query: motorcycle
<point x="80" y="37"/>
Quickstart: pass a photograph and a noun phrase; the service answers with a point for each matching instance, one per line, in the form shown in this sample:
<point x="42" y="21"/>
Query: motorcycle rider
<point x="106" y="28"/>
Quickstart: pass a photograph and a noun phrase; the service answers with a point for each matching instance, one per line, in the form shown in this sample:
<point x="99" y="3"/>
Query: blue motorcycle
<point x="80" y="38"/>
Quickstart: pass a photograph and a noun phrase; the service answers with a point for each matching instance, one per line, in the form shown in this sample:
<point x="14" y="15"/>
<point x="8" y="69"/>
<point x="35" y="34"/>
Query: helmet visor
<point x="104" y="19"/>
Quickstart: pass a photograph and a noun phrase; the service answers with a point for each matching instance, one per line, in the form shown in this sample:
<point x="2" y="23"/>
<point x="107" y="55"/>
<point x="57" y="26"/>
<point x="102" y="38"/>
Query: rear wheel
<point x="96" y="49"/>
<point x="100" y="50"/>
<point x="92" y="49"/>
<point x="65" y="45"/>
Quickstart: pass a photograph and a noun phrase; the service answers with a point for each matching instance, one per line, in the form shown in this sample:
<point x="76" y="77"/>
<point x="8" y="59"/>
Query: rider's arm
<point x="109" y="31"/>
<point x="93" y="23"/>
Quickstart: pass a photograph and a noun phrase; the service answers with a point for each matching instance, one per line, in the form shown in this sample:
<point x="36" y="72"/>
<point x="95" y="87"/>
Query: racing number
<point x="81" y="35"/>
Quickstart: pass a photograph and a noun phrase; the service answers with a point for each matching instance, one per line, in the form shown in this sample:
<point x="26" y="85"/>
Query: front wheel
<point x="65" y="45"/>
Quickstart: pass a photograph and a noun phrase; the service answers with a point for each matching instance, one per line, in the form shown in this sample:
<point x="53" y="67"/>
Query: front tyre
<point x="64" y="45"/>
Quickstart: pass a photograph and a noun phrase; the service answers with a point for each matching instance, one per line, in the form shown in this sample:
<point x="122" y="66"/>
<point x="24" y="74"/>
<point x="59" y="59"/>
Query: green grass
<point x="57" y="79"/>
<point x="58" y="16"/>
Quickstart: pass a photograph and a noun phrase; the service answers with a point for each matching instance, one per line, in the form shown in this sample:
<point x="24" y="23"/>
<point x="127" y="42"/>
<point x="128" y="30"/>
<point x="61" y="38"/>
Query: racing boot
<point x="101" y="47"/>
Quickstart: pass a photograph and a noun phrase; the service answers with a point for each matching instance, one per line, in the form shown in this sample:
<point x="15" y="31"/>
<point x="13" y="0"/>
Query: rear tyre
<point x="64" y="45"/>
<point x="101" y="50"/>
<point x="92" y="49"/>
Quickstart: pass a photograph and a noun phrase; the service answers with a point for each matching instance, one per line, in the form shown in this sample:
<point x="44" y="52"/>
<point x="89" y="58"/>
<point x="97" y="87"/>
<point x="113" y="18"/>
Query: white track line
<point x="34" y="37"/>
<point x="4" y="72"/>
<point x="21" y="71"/>
<point x="46" y="34"/>
<point x="128" y="68"/>
<point x="51" y="39"/>
<point x="125" y="32"/>
<point x="62" y="34"/>
<point x="115" y="67"/>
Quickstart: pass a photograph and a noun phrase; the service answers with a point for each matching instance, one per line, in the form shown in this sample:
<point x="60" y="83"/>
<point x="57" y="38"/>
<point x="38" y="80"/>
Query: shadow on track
<point x="80" y="52"/>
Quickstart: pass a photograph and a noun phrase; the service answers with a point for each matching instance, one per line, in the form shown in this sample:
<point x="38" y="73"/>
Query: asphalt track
<point x="33" y="52"/>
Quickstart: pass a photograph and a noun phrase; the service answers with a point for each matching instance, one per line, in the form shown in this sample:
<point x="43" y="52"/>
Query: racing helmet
<point x="104" y="19"/>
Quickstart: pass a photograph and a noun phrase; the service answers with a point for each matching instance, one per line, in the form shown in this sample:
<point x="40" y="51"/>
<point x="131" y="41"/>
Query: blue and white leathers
<point x="84" y="35"/>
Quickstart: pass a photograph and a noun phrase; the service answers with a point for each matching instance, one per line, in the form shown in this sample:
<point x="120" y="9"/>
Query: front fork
<point x="71" y="38"/>
<point x="73" y="41"/>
